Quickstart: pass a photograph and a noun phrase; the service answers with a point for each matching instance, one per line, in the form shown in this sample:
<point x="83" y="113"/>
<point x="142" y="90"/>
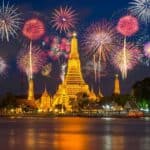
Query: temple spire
<point x="31" y="90"/>
<point x="74" y="46"/>
<point x="116" y="85"/>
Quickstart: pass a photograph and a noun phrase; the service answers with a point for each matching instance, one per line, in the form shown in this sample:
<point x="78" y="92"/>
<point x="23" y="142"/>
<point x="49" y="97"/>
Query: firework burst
<point x="99" y="39"/>
<point x="38" y="60"/>
<point x="3" y="66"/>
<point x="33" y="29"/>
<point x="127" y="25"/>
<point x="141" y="9"/>
<point x="147" y="49"/>
<point x="132" y="58"/>
<point x="64" y="19"/>
<point x="93" y="68"/>
<point x="9" y="21"/>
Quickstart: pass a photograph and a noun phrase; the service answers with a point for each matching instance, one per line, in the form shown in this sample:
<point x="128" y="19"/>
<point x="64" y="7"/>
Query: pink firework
<point x="58" y="47"/>
<point x="64" y="19"/>
<point x="39" y="58"/>
<point x="127" y="25"/>
<point x="147" y="49"/>
<point x="33" y="29"/>
<point x="100" y="38"/>
<point x="54" y="54"/>
<point x="132" y="57"/>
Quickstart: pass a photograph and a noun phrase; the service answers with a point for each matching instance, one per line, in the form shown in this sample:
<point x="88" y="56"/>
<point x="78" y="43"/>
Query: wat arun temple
<point x="69" y="88"/>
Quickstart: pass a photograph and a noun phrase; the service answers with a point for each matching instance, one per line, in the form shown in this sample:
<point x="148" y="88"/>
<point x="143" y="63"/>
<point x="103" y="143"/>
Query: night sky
<point x="88" y="11"/>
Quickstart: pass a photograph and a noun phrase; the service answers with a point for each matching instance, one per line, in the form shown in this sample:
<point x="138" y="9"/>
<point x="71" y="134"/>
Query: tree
<point x="141" y="90"/>
<point x="9" y="101"/>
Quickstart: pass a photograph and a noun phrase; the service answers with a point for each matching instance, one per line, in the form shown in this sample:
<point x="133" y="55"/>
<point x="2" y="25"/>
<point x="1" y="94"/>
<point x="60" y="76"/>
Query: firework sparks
<point x="93" y="67"/>
<point x="9" y="21"/>
<point x="144" y="60"/>
<point x="100" y="38"/>
<point x="63" y="72"/>
<point x="141" y="9"/>
<point x="132" y="58"/>
<point x="38" y="60"/>
<point x="64" y="19"/>
<point x="3" y="65"/>
<point x="46" y="70"/>
<point x="58" y="47"/>
<point x="147" y="49"/>
<point x="33" y="29"/>
<point x="127" y="25"/>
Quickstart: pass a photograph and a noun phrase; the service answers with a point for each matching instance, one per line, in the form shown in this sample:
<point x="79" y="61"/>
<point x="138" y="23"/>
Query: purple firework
<point x="147" y="49"/>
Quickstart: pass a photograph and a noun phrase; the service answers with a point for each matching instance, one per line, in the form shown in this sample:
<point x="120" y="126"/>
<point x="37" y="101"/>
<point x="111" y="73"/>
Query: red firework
<point x="127" y="25"/>
<point x="33" y="29"/>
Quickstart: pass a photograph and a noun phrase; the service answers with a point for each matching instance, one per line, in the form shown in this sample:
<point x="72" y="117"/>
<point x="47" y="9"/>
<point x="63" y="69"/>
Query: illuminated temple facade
<point x="116" y="85"/>
<point x="73" y="82"/>
<point x="70" y="87"/>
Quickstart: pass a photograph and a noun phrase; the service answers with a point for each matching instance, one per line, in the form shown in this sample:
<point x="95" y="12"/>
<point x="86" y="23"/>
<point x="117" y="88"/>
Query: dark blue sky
<point x="88" y="11"/>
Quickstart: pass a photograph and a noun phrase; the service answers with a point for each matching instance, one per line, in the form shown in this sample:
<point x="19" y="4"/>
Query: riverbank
<point x="52" y="115"/>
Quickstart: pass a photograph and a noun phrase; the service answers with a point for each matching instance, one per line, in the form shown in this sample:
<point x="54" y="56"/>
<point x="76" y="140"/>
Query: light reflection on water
<point x="74" y="134"/>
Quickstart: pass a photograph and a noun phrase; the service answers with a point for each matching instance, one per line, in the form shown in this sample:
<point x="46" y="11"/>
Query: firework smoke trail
<point x="30" y="60"/>
<point x="141" y="9"/>
<point x="9" y="21"/>
<point x="124" y="71"/>
<point x="63" y="72"/>
<point x="127" y="26"/>
<point x="3" y="66"/>
<point x="89" y="69"/>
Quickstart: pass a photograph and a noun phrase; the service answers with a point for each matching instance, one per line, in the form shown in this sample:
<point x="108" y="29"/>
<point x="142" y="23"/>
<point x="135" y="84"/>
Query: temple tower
<point x="45" y="104"/>
<point x="73" y="82"/>
<point x="116" y="85"/>
<point x="31" y="90"/>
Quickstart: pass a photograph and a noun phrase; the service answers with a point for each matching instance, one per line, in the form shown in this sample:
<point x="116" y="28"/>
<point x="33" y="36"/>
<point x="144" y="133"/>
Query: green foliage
<point x="141" y="89"/>
<point x="143" y="103"/>
<point x="119" y="99"/>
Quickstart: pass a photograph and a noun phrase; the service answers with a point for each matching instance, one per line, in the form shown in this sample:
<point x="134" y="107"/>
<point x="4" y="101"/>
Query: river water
<point x="74" y="134"/>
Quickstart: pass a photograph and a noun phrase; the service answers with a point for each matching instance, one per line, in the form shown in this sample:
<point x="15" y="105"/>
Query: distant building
<point x="45" y="102"/>
<point x="116" y="85"/>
